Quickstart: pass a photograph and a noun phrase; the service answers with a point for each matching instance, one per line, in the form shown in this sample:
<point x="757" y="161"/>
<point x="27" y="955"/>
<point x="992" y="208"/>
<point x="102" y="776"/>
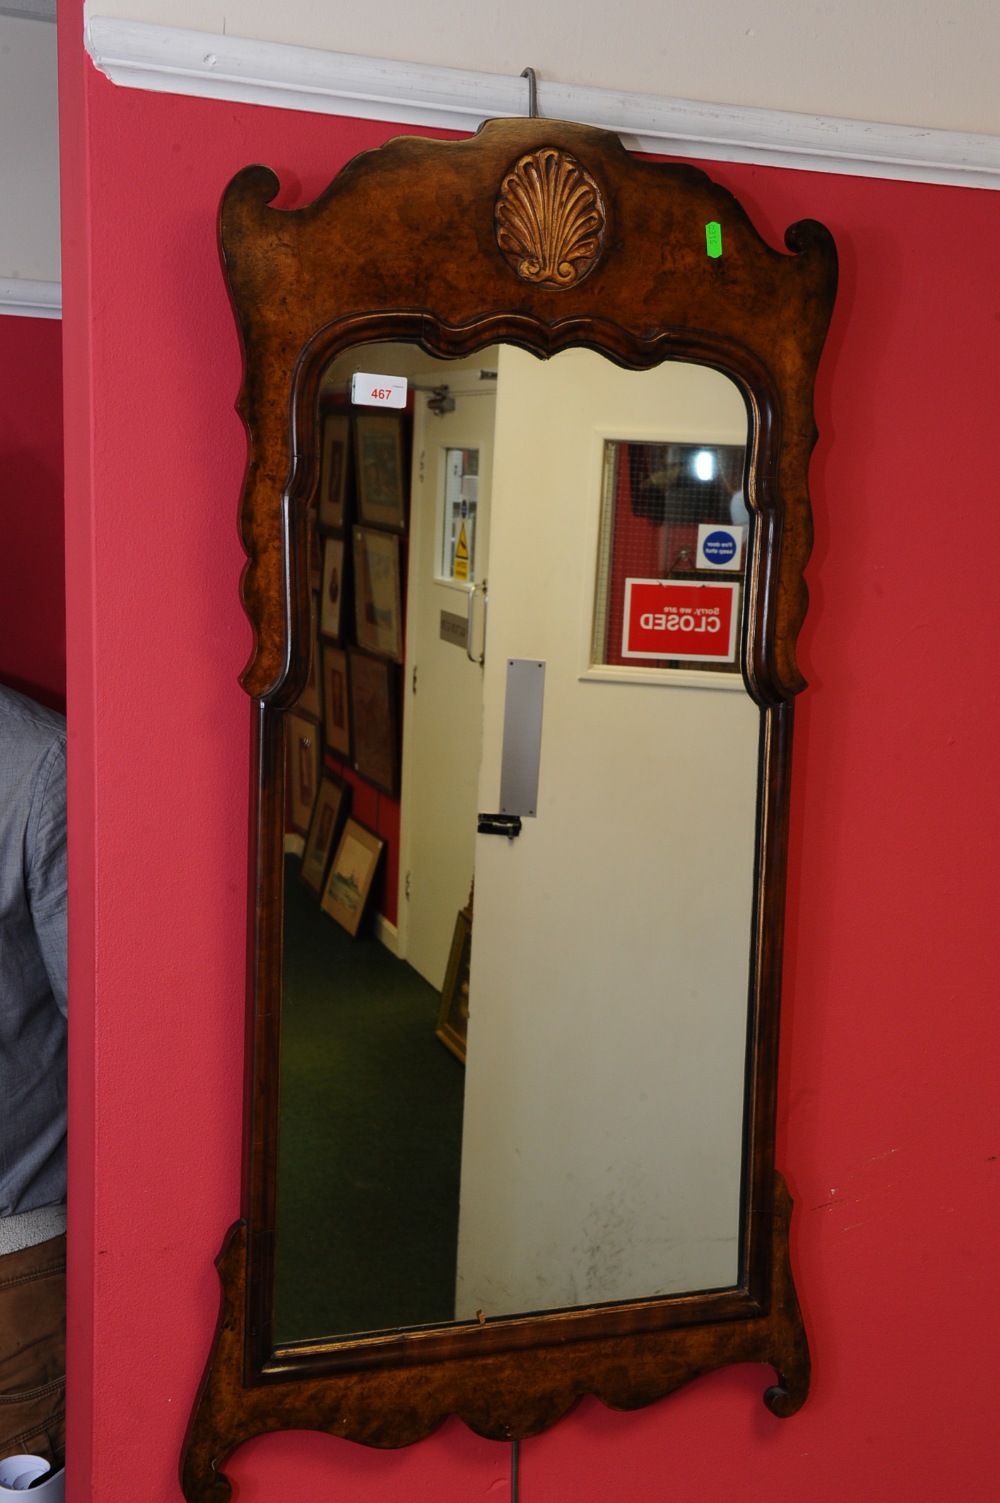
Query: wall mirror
<point x="534" y="1177"/>
<point x="539" y="623"/>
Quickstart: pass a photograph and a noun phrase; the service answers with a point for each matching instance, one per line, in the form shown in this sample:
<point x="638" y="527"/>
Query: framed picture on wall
<point x="331" y="611"/>
<point x="378" y="441"/>
<point x="453" y="1016"/>
<point x="315" y="551"/>
<point x="335" y="450"/>
<point x="302" y="761"/>
<point x="374" y="720"/>
<point x="378" y="609"/>
<point x="309" y="702"/>
<point x="336" y="702"/>
<point x="332" y="803"/>
<point x="348" y="887"/>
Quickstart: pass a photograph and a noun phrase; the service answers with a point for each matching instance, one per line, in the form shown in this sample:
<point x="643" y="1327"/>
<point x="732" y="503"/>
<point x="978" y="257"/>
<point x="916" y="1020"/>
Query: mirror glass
<point x="513" y="1060"/>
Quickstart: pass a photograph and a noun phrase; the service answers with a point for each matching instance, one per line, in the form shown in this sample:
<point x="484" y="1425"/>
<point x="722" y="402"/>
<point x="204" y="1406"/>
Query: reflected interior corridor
<point x="371" y="1136"/>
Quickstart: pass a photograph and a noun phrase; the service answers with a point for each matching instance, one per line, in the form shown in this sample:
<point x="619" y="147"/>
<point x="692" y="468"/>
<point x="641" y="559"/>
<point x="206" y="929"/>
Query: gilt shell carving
<point x="550" y="219"/>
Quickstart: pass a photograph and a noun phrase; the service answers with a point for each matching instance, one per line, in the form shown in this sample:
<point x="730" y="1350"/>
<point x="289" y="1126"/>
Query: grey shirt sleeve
<point x="46" y="870"/>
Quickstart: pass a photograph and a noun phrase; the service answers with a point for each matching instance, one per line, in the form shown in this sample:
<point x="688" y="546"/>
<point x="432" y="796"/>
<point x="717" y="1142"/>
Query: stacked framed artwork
<point x="328" y="814"/>
<point x="347" y="719"/>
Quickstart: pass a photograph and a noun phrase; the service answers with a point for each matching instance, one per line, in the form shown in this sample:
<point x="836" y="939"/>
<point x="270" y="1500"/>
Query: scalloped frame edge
<point x="402" y="246"/>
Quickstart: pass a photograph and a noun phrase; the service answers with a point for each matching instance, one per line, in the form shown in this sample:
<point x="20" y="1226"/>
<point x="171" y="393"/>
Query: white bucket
<point x="18" y="1474"/>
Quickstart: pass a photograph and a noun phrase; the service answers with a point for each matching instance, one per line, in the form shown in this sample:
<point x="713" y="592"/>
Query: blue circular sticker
<point x="719" y="548"/>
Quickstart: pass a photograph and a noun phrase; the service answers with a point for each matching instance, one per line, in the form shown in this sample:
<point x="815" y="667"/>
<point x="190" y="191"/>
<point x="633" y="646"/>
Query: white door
<point x="443" y="686"/>
<point x="608" y="1001"/>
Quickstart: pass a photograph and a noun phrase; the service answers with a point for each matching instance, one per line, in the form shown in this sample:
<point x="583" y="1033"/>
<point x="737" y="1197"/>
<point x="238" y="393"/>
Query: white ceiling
<point x="31" y="10"/>
<point x="29" y="150"/>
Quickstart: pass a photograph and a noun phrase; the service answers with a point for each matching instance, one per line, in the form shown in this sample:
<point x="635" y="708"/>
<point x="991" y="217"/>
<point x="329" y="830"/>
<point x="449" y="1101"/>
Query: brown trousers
<point x="33" y="1351"/>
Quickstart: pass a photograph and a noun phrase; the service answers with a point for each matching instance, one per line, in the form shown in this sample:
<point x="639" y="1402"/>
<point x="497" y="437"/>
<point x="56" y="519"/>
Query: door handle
<point x="499" y="824"/>
<point x="481" y="659"/>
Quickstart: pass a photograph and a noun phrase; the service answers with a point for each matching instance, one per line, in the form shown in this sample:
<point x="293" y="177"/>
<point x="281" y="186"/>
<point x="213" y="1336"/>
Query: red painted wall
<point x="888" y="1123"/>
<point x="32" y="573"/>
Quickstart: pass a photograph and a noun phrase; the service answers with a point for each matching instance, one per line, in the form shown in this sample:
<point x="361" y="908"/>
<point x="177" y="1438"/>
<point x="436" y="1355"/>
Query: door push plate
<point x="522" y="736"/>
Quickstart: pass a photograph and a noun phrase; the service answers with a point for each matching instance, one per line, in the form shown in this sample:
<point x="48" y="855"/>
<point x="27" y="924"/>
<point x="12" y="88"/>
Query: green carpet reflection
<point x="371" y="1134"/>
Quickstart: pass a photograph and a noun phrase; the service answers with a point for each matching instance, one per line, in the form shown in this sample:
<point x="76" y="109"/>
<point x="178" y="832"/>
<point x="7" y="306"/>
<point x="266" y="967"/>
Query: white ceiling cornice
<point x="164" y="59"/>
<point x="26" y="299"/>
<point x="30" y="10"/>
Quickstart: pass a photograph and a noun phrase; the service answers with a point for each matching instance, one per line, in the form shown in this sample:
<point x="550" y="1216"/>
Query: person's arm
<point x="47" y="868"/>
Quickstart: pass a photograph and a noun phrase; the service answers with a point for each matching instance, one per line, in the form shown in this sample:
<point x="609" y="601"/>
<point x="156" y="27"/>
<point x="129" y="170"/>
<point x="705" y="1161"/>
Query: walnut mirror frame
<point x="450" y="245"/>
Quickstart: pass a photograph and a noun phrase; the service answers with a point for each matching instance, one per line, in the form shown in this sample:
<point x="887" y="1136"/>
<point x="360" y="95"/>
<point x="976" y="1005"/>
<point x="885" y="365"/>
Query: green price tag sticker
<point x="713" y="238"/>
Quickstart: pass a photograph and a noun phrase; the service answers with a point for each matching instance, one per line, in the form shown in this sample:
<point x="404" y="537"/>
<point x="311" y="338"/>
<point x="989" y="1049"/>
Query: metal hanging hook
<point x="529" y="74"/>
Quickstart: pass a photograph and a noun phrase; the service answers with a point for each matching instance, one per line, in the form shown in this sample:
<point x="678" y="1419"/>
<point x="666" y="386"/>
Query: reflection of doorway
<point x="608" y="993"/>
<point x="442" y="722"/>
<point x="604" y="1090"/>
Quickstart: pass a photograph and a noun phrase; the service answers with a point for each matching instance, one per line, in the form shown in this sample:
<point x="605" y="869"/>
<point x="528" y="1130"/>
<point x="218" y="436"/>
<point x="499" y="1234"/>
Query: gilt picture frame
<point x="329" y="811"/>
<point x="302" y="762"/>
<point x="378" y="444"/>
<point x="331" y="595"/>
<point x="375" y="720"/>
<point x="453" y="1015"/>
<point x="309" y="702"/>
<point x="336" y="701"/>
<point x="378" y="608"/>
<point x="348" y="887"/>
<point x="335" y="451"/>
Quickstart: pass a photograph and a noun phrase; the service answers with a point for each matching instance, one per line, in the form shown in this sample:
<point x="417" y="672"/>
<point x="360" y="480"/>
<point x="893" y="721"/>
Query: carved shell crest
<point x="550" y="219"/>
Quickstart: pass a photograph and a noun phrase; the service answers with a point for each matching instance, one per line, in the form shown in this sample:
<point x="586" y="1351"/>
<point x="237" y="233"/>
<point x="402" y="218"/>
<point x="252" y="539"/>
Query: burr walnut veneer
<point x="545" y="235"/>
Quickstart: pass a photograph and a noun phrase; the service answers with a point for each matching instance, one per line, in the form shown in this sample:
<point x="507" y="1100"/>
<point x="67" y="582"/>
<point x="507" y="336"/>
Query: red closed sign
<point x="670" y="618"/>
